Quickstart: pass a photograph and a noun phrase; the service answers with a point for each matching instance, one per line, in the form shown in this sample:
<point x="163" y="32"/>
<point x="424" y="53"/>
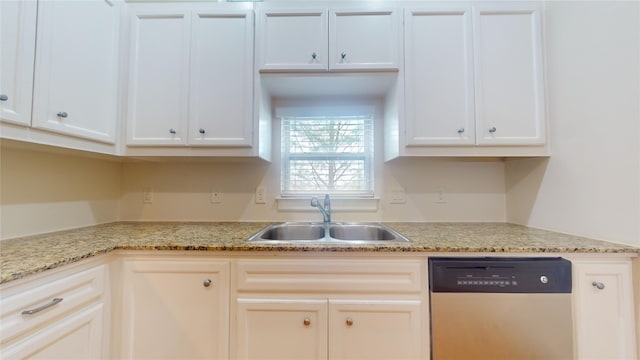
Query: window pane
<point x="327" y="154"/>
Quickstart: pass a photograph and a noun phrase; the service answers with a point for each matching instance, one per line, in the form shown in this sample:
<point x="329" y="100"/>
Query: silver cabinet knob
<point x="314" y="55"/>
<point x="62" y="114"/>
<point x="598" y="285"/>
<point x="206" y="283"/>
<point x="201" y="131"/>
<point x="172" y="131"/>
<point x="460" y="131"/>
<point x="349" y="321"/>
<point x="4" y="97"/>
<point x="493" y="129"/>
<point x="306" y="321"/>
<point x="343" y="55"/>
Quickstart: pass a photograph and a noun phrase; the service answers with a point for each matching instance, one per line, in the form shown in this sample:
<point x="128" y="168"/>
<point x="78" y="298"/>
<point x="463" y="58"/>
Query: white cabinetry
<point x="336" y="309"/>
<point x="76" y="70"/>
<point x="474" y="82"/>
<point x="174" y="308"/>
<point x="281" y="329"/>
<point x="603" y="308"/>
<point x="190" y="76"/>
<point x="439" y="96"/>
<point x="63" y="87"/>
<point x="321" y="40"/>
<point x="56" y="317"/>
<point x="508" y="75"/>
<point x="17" y="54"/>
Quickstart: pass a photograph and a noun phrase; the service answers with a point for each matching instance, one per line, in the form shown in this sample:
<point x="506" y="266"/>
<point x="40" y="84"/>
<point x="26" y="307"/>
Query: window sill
<point x="337" y="204"/>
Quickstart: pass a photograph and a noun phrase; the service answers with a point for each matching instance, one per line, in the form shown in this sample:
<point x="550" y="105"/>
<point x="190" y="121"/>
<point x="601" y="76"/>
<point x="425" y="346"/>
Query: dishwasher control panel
<point x="500" y="274"/>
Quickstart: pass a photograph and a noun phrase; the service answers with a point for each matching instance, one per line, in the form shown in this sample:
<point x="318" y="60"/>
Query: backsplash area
<point x="43" y="192"/>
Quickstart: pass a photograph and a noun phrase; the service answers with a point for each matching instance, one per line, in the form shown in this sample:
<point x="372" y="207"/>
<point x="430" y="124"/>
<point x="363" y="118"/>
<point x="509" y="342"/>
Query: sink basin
<point x="295" y="232"/>
<point x="361" y="232"/>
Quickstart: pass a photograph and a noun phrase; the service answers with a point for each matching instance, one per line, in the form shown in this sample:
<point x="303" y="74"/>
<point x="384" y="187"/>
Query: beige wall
<point x="42" y="192"/>
<point x="474" y="191"/>
<point x="591" y="184"/>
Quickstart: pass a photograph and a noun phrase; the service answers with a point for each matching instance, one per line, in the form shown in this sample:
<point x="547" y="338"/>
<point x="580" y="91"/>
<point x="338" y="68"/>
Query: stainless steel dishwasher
<point x="500" y="308"/>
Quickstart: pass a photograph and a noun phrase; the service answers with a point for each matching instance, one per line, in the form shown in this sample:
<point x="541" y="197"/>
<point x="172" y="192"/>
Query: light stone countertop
<point x="33" y="254"/>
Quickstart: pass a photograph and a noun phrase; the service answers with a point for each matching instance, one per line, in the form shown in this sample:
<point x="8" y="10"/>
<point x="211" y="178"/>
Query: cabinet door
<point x="509" y="88"/>
<point x="293" y="40"/>
<point x="439" y="77"/>
<point x="78" y="336"/>
<point x="175" y="309"/>
<point x="76" y="68"/>
<point x="281" y="329"/>
<point x="17" y="54"/>
<point x="604" y="311"/>
<point x="158" y="77"/>
<point x="221" y="80"/>
<point x="375" y="329"/>
<point x="364" y="40"/>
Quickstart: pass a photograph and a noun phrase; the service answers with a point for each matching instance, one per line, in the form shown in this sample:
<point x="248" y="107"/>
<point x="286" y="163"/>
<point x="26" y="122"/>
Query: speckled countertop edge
<point x="33" y="254"/>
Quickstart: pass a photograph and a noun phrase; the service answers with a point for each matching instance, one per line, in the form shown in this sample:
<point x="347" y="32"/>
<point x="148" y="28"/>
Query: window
<point x="327" y="154"/>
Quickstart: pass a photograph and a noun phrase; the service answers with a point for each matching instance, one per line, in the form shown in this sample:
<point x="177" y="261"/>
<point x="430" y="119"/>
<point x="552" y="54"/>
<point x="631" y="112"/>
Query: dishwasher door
<point x="501" y="308"/>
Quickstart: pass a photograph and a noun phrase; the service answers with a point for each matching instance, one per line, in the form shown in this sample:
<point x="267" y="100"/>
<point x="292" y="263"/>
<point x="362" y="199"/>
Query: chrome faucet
<point x="325" y="210"/>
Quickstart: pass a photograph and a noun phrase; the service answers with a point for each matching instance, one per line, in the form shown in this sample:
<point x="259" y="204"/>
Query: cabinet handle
<point x="206" y="283"/>
<point x="3" y="97"/>
<point x="460" y="131"/>
<point x="598" y="285"/>
<point x="306" y="321"/>
<point x="201" y="131"/>
<point x="43" y="307"/>
<point x="349" y="321"/>
<point x="343" y="55"/>
<point x="173" y="131"/>
<point x="62" y="114"/>
<point x="314" y="55"/>
<point x="493" y="129"/>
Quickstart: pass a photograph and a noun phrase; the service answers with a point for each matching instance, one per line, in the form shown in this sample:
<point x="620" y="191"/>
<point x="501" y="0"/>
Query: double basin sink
<point x="301" y="232"/>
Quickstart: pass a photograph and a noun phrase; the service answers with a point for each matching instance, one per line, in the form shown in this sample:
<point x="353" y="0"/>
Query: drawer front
<point x="320" y="275"/>
<point x="75" y="291"/>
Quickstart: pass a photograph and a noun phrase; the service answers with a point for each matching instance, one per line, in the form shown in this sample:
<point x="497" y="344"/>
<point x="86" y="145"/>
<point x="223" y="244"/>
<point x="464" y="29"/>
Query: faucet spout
<point x="325" y="210"/>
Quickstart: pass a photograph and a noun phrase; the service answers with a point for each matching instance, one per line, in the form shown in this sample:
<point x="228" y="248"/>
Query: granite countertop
<point x="29" y="255"/>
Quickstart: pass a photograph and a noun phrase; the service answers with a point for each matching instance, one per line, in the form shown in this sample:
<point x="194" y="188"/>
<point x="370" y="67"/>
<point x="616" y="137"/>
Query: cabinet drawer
<point x="74" y="290"/>
<point x="329" y="276"/>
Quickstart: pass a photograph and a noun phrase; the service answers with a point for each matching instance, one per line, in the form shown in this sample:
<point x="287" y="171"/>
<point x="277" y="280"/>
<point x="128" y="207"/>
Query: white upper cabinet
<point x="509" y="86"/>
<point x="474" y="83"/>
<point x="439" y="95"/>
<point x="321" y="40"/>
<point x="76" y="68"/>
<point x="190" y="76"/>
<point x="17" y="55"/>
<point x="293" y="40"/>
<point x="158" y="77"/>
<point x="221" y="80"/>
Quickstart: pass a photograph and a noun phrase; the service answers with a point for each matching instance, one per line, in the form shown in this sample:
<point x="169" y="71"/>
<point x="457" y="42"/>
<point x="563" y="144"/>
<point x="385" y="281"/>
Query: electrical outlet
<point x="216" y="197"/>
<point x="441" y="197"/>
<point x="398" y="196"/>
<point x="147" y="196"/>
<point x="260" y="195"/>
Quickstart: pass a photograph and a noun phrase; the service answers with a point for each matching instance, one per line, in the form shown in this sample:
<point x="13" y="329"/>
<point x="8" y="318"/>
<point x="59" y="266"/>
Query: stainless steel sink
<point x="361" y="232"/>
<point x="292" y="232"/>
<point x="297" y="232"/>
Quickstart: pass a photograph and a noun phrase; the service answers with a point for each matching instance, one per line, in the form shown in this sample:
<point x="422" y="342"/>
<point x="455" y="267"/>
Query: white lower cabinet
<point x="174" y="309"/>
<point x="58" y="316"/>
<point x="281" y="329"/>
<point x="330" y="309"/>
<point x="603" y="310"/>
